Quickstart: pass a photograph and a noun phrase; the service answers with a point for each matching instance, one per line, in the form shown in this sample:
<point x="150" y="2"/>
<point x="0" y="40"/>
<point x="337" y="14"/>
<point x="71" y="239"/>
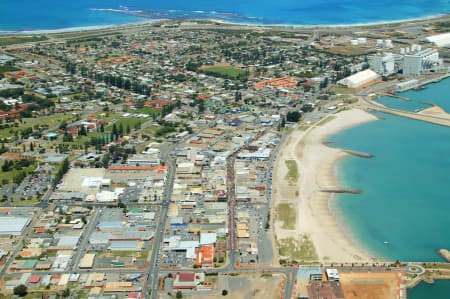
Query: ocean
<point x="436" y="93"/>
<point x="26" y="15"/>
<point x="440" y="289"/>
<point x="405" y="186"/>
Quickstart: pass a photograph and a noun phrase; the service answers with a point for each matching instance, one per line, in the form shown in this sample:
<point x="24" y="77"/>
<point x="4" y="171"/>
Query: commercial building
<point x="188" y="281"/>
<point x="332" y="274"/>
<point x="13" y="225"/>
<point x="87" y="261"/>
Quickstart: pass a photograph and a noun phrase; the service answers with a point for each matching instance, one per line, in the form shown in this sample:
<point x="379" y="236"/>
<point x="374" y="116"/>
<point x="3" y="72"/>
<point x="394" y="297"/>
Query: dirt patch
<point x="246" y="286"/>
<point x="373" y="285"/>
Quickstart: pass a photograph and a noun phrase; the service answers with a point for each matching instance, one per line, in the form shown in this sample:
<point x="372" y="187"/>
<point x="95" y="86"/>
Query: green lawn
<point x="287" y="213"/>
<point x="223" y="71"/>
<point x="145" y="110"/>
<point x="49" y="121"/>
<point x="78" y="140"/>
<point x="343" y="90"/>
<point x="109" y="117"/>
<point x="9" y="175"/>
<point x="292" y="174"/>
<point x="26" y="202"/>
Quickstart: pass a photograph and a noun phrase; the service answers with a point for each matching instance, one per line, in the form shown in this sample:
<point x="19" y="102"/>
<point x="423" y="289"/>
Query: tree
<point x="121" y="129"/>
<point x="293" y="116"/>
<point x="67" y="137"/>
<point x="224" y="292"/>
<point x="179" y="295"/>
<point x="82" y="131"/>
<point x="114" y="130"/>
<point x="201" y="107"/>
<point x="66" y="293"/>
<point x="20" y="290"/>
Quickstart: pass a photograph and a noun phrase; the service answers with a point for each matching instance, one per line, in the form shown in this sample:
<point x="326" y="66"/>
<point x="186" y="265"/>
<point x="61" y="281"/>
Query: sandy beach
<point x="316" y="167"/>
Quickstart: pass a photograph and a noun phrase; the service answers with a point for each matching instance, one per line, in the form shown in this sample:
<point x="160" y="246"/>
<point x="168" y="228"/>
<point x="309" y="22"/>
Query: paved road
<point x="20" y="244"/>
<point x="85" y="240"/>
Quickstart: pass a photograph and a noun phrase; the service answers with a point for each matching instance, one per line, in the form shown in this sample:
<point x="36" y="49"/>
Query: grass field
<point x="26" y="202"/>
<point x="299" y="250"/>
<point x="110" y="117"/>
<point x="145" y="110"/>
<point x="132" y="122"/>
<point x="343" y="90"/>
<point x="287" y="214"/>
<point x="49" y="121"/>
<point x="9" y="175"/>
<point x="223" y="71"/>
<point x="292" y="174"/>
<point x="20" y="39"/>
<point x="80" y="140"/>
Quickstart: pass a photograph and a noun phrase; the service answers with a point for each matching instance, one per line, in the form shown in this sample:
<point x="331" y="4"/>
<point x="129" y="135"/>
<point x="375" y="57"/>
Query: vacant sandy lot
<point x="373" y="285"/>
<point x="246" y="286"/>
<point x="73" y="179"/>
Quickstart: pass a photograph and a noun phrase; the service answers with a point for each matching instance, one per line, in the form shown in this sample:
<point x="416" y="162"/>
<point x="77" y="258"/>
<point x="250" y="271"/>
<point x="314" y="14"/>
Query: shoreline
<point x="91" y="28"/>
<point x="340" y="26"/>
<point x="212" y="21"/>
<point x="333" y="240"/>
<point x="329" y="176"/>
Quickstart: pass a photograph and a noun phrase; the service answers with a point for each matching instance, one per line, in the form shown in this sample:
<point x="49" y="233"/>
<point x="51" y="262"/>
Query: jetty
<point x="349" y="191"/>
<point x="445" y="254"/>
<point x="393" y="95"/>
<point x="359" y="154"/>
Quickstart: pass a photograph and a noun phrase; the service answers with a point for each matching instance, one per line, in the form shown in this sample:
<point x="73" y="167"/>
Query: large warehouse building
<point x="13" y="225"/>
<point x="359" y="79"/>
<point x="440" y="40"/>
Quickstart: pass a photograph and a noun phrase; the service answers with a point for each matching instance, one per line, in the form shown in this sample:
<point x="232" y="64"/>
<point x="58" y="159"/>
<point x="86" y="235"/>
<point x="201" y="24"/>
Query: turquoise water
<point x="436" y="93"/>
<point x="406" y="191"/>
<point x="20" y="15"/>
<point x="439" y="290"/>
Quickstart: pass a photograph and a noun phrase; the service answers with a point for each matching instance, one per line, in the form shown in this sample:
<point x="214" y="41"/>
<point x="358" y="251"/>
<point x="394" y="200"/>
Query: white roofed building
<point x="440" y="40"/>
<point x="359" y="79"/>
